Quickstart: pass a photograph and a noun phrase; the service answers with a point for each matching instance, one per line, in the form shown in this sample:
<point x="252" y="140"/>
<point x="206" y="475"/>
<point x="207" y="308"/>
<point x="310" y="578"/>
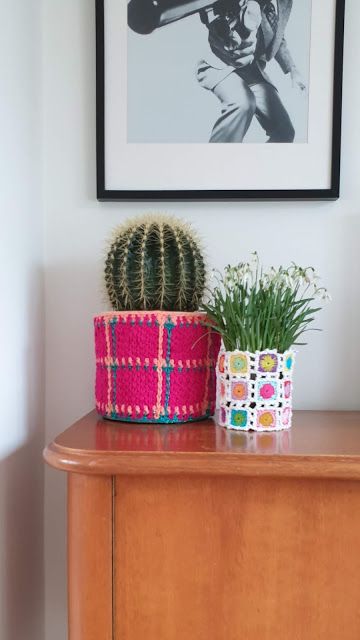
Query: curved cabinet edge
<point x="144" y="463"/>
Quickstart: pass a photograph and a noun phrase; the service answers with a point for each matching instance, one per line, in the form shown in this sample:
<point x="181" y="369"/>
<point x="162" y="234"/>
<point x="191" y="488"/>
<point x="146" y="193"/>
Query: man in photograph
<point x="241" y="46"/>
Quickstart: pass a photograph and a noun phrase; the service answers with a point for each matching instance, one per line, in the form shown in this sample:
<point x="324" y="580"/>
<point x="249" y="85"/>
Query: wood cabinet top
<point x="319" y="444"/>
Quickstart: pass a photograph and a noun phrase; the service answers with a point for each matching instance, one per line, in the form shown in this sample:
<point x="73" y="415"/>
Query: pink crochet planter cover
<point x="155" y="366"/>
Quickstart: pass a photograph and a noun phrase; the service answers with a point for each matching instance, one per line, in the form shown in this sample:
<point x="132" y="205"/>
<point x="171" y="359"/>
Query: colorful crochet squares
<point x="239" y="418"/>
<point x="240" y="390"/>
<point x="239" y="363"/>
<point x="268" y="362"/>
<point x="267" y="390"/>
<point x="255" y="390"/>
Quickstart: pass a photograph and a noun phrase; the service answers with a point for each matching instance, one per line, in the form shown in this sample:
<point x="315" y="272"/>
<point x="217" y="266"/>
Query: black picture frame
<point x="331" y="193"/>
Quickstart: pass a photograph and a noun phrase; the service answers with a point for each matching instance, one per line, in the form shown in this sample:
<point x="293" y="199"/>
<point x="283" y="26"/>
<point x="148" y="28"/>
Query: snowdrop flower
<point x="323" y="294"/>
<point x="310" y="275"/>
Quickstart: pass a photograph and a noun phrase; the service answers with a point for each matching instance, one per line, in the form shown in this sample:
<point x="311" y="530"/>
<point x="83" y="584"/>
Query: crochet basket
<point x="155" y="366"/>
<point x="255" y="390"/>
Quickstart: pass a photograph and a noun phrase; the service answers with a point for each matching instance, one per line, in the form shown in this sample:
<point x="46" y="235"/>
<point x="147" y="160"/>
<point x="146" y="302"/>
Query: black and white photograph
<point x="225" y="71"/>
<point x="219" y="99"/>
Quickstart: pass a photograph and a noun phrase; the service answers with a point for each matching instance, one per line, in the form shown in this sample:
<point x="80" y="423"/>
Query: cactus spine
<point x="155" y="263"/>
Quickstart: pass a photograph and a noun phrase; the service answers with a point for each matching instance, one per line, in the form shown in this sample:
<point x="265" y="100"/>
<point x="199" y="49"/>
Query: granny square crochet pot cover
<point x="155" y="366"/>
<point x="255" y="390"/>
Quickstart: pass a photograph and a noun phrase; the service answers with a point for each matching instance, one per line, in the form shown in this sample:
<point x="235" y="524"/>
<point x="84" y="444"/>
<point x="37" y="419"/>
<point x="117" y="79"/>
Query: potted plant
<point x="260" y="316"/>
<point x="155" y="354"/>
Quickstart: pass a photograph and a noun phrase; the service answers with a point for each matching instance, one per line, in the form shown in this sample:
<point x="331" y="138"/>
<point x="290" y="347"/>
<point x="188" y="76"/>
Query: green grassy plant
<point x="254" y="309"/>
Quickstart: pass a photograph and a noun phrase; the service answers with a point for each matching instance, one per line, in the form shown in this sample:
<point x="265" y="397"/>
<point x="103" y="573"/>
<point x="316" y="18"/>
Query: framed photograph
<point x="219" y="99"/>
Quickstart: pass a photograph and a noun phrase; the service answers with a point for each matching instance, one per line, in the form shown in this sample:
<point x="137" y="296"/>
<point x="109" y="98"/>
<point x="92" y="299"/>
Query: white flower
<point x="322" y="294"/>
<point x="310" y="275"/>
<point x="326" y="296"/>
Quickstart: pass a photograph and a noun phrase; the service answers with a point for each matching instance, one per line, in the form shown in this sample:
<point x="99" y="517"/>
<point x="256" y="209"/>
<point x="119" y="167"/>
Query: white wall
<point x="326" y="235"/>
<point x="21" y="323"/>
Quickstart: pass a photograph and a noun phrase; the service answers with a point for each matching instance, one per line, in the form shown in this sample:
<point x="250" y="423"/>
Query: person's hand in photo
<point x="297" y="79"/>
<point x="250" y="17"/>
<point x="234" y="50"/>
<point x="238" y="54"/>
<point x="243" y="55"/>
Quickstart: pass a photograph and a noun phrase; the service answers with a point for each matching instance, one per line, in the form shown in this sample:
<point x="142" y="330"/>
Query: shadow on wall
<point x="21" y="481"/>
<point x="74" y="296"/>
<point x="22" y="475"/>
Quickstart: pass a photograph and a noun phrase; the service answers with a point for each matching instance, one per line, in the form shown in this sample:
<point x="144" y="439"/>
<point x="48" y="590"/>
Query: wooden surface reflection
<point x="200" y="437"/>
<point x="197" y="436"/>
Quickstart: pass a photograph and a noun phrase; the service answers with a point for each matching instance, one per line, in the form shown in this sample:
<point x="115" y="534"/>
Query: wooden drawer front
<point x="90" y="540"/>
<point x="231" y="558"/>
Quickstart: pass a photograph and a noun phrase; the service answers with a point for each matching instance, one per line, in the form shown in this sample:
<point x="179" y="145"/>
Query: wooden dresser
<point x="198" y="533"/>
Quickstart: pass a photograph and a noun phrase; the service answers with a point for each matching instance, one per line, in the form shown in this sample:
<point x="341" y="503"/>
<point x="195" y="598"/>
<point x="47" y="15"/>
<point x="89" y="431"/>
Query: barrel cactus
<point x="155" y="262"/>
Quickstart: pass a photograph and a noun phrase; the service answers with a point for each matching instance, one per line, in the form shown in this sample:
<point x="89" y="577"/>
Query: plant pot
<point x="255" y="390"/>
<point x="155" y="366"/>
